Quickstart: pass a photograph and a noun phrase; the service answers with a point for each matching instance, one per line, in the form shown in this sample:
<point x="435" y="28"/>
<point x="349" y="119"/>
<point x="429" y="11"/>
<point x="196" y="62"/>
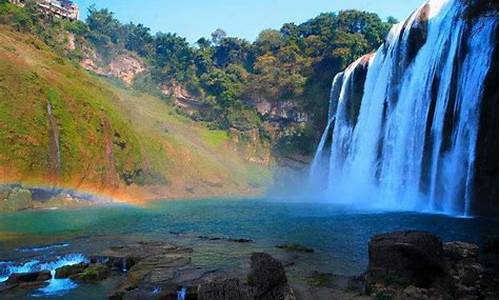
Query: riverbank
<point x="409" y="265"/>
<point x="18" y="197"/>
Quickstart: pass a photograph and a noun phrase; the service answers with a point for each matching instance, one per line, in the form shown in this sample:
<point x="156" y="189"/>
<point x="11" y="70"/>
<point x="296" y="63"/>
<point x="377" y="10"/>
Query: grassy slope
<point x="108" y="134"/>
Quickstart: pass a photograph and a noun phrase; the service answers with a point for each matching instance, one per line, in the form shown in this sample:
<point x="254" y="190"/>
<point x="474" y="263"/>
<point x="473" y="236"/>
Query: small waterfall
<point x="56" y="286"/>
<point x="316" y="166"/>
<point x="404" y="124"/>
<point x="181" y="295"/>
<point x="54" y="146"/>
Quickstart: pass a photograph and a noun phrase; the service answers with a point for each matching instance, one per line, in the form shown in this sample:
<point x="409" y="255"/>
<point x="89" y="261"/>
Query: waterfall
<point x="54" y="146"/>
<point x="316" y="166"/>
<point x="404" y="124"/>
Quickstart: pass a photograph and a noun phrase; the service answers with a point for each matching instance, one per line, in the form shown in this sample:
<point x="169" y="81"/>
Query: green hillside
<point x="101" y="137"/>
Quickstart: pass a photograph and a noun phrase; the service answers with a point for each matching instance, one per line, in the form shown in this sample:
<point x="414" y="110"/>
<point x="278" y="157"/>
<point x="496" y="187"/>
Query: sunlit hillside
<point x="61" y="126"/>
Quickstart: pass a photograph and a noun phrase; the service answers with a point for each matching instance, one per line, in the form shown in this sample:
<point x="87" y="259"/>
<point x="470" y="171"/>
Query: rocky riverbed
<point x="402" y="265"/>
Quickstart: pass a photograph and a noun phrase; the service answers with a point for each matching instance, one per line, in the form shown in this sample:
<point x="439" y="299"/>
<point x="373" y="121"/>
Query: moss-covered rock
<point x="295" y="248"/>
<point x="68" y="271"/>
<point x="93" y="273"/>
<point x="16" y="199"/>
<point x="319" y="279"/>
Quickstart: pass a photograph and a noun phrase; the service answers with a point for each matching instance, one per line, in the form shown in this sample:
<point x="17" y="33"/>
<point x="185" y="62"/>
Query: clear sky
<point x="243" y="18"/>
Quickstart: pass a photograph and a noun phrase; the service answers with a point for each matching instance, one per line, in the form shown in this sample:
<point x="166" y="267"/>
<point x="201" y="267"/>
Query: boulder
<point x="121" y="263"/>
<point x="415" y="293"/>
<point x="93" y="273"/>
<point x="295" y="248"/>
<point x="19" y="278"/>
<point x="67" y="271"/>
<point x="227" y="289"/>
<point x="408" y="257"/>
<point x="461" y="250"/>
<point x="267" y="278"/>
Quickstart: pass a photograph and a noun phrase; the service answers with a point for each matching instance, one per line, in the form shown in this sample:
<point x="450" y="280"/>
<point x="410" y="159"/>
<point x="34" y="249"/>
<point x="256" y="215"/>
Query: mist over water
<point x="403" y="122"/>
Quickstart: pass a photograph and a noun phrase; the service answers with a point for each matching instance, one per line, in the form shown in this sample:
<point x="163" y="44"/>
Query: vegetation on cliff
<point x="229" y="76"/>
<point x="106" y="138"/>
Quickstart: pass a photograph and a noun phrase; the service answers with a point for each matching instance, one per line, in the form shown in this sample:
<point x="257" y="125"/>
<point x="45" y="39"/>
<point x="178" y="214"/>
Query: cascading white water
<point x="318" y="157"/>
<point x="409" y="141"/>
<point x="54" y="145"/>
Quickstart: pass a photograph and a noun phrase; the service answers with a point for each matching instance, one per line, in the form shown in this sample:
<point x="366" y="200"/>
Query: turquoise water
<point x="339" y="236"/>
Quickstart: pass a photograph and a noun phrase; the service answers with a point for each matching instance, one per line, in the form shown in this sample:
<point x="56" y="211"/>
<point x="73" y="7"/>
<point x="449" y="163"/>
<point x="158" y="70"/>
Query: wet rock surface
<point x="149" y="269"/>
<point x="68" y="271"/>
<point x="295" y="248"/>
<point x="417" y="265"/>
<point x="18" y="278"/>
<point x="410" y="256"/>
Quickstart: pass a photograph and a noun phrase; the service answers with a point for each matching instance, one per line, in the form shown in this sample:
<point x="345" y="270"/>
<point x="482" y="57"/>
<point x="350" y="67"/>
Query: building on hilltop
<point x="65" y="9"/>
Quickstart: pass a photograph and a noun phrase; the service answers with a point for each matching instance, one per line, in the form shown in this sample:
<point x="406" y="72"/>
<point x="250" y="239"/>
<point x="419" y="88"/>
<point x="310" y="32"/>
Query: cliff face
<point x="125" y="67"/>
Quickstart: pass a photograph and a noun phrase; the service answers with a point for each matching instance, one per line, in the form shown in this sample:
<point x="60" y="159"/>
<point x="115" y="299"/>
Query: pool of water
<point x="339" y="236"/>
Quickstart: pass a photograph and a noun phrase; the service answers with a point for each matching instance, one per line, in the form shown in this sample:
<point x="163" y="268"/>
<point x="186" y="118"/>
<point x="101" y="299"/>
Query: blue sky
<point x="243" y="18"/>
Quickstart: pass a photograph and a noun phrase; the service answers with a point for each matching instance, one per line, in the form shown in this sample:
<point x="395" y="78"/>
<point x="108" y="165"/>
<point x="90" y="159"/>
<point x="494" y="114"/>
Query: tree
<point x="138" y="38"/>
<point x="173" y="58"/>
<point x="103" y="26"/>
<point x="232" y="50"/>
<point x="203" y="56"/>
<point x="269" y="40"/>
<point x="367" y="24"/>
<point x="218" y="35"/>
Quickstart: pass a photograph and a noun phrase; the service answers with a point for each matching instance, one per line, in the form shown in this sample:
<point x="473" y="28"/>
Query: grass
<point x="215" y="137"/>
<point x="113" y="139"/>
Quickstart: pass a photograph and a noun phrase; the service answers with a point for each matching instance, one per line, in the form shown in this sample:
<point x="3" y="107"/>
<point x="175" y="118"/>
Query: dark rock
<point x="486" y="163"/>
<point x="216" y="238"/>
<point x="67" y="271"/>
<point x="405" y="258"/>
<point x="319" y="279"/>
<point x="415" y="293"/>
<point x="415" y="265"/>
<point x="208" y="238"/>
<point x="267" y="278"/>
<point x="18" y="278"/>
<point x="356" y="88"/>
<point x="120" y="263"/>
<point x="418" y="32"/>
<point x="295" y="247"/>
<point x="357" y="284"/>
<point x="93" y="273"/>
<point x="490" y="246"/>
<point x="461" y="250"/>
<point x="240" y="240"/>
<point x="228" y="289"/>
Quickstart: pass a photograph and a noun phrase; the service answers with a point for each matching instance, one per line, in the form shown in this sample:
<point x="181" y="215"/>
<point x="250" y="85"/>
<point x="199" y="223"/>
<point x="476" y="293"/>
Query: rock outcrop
<point x="266" y="281"/>
<point x="126" y="67"/>
<point x="267" y="278"/>
<point x="280" y="111"/>
<point x="417" y="265"/>
<point x="411" y="256"/>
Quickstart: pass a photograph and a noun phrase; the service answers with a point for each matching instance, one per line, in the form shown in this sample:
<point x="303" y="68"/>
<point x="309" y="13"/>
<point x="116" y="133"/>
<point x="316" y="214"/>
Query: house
<point x="65" y="9"/>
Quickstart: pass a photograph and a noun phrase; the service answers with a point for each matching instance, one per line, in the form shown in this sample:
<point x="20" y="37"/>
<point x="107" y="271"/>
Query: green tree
<point x="173" y="58"/>
<point x="138" y="38"/>
<point x="269" y="40"/>
<point x="218" y="35"/>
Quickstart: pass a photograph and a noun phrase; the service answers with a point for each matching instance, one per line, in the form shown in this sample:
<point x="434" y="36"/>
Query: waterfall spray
<point x="409" y="141"/>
